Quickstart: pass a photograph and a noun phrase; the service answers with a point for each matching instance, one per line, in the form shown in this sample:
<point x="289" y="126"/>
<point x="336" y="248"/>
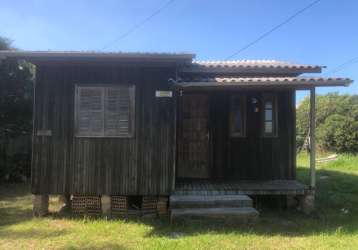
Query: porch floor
<point x="274" y="187"/>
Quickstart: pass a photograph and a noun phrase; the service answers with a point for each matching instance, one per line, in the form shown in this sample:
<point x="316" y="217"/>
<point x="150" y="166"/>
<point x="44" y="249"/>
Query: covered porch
<point x="236" y="141"/>
<point x="256" y="163"/>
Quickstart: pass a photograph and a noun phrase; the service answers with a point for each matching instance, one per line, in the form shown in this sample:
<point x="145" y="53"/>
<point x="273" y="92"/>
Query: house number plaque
<point x="162" y="93"/>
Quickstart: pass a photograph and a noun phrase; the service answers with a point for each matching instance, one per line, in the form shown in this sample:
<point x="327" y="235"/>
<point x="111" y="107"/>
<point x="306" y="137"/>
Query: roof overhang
<point x="250" y="67"/>
<point x="261" y="82"/>
<point x="39" y="57"/>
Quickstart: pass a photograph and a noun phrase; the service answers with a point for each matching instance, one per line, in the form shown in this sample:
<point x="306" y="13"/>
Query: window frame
<point x="132" y="112"/>
<point x="273" y="99"/>
<point x="243" y="114"/>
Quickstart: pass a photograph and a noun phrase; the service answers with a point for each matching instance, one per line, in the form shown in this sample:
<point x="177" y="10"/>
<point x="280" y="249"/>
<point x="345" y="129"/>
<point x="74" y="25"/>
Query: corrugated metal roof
<point x="250" y="66"/>
<point x="85" y="55"/>
<point x="253" y="64"/>
<point x="264" y="81"/>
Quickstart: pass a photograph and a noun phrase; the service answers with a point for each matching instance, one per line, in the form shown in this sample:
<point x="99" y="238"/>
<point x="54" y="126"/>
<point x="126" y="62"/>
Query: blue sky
<point x="326" y="34"/>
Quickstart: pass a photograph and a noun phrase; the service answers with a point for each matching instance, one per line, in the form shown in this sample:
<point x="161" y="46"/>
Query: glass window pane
<point x="268" y="127"/>
<point x="268" y="115"/>
<point x="236" y="116"/>
<point x="268" y="105"/>
<point x="237" y="121"/>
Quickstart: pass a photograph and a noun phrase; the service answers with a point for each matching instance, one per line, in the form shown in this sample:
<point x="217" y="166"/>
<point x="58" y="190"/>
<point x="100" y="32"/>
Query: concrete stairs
<point x="213" y="206"/>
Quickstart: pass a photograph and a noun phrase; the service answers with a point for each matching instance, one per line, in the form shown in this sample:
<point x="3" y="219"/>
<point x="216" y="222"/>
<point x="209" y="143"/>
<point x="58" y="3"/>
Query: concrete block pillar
<point x="65" y="202"/>
<point x="291" y="202"/>
<point x="106" y="205"/>
<point x="307" y="203"/>
<point x="40" y="205"/>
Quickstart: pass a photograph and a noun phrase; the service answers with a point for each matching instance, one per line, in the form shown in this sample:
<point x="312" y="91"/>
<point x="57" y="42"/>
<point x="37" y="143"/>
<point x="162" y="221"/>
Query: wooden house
<point x="112" y="129"/>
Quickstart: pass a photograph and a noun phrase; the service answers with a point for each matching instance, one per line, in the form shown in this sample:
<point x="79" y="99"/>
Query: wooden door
<point x="193" y="137"/>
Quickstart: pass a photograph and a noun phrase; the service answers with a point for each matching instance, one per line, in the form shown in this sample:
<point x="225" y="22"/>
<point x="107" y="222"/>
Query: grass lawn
<point x="333" y="226"/>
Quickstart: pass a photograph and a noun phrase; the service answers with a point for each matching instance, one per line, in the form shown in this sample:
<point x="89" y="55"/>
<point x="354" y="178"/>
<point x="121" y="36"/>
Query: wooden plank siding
<point x="63" y="163"/>
<point x="252" y="156"/>
<point x="144" y="165"/>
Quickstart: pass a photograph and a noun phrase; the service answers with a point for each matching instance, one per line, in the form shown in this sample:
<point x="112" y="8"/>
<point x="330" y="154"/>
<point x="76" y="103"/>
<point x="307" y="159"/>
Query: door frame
<point x="178" y="119"/>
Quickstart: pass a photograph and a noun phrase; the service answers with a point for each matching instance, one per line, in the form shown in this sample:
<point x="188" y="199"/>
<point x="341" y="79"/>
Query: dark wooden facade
<point x="251" y="157"/>
<point x="147" y="164"/>
<point x="63" y="163"/>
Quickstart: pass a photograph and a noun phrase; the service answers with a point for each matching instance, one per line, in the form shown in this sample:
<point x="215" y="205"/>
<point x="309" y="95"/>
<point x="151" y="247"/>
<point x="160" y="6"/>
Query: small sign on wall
<point x="163" y="93"/>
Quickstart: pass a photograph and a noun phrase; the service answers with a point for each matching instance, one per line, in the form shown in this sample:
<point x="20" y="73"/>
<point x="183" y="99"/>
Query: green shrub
<point x="336" y="122"/>
<point x="16" y="80"/>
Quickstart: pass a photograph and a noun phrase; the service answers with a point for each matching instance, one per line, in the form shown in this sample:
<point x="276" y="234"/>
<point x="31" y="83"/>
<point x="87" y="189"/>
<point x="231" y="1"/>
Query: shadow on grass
<point x="15" y="203"/>
<point x="111" y="245"/>
<point x="337" y="211"/>
<point x="13" y="190"/>
<point x="32" y="233"/>
<point x="13" y="215"/>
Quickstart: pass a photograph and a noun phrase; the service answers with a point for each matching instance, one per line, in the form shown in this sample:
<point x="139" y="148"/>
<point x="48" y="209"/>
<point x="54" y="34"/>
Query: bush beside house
<point x="16" y="79"/>
<point x="337" y="122"/>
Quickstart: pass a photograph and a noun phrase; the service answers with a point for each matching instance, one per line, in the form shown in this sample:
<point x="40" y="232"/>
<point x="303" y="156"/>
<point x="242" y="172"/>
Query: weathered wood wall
<point x="254" y="157"/>
<point x="143" y="165"/>
<point x="63" y="163"/>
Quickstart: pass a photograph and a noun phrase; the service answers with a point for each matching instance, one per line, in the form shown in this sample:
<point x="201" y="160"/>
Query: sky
<point x="326" y="34"/>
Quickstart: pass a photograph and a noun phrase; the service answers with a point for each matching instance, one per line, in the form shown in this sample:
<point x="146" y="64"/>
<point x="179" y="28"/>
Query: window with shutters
<point x="269" y="116"/>
<point x="104" y="111"/>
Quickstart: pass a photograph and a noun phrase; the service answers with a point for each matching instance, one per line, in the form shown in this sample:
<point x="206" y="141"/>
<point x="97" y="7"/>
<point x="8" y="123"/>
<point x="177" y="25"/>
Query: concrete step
<point x="246" y="213"/>
<point x="207" y="201"/>
<point x="209" y="192"/>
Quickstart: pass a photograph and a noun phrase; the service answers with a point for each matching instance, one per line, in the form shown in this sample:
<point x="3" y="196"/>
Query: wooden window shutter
<point x="105" y="111"/>
<point x="89" y="115"/>
<point x="119" y="111"/>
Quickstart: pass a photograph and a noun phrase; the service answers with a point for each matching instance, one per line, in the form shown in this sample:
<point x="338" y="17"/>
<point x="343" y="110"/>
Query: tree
<point x="5" y="43"/>
<point x="16" y="80"/>
<point x="336" y="122"/>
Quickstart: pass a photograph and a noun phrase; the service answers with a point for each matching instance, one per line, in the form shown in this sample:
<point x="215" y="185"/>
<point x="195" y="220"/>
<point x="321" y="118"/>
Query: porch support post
<point x="307" y="201"/>
<point x="312" y="138"/>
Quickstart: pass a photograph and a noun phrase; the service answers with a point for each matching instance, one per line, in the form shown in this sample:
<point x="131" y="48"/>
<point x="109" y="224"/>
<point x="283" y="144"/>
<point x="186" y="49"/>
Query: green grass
<point x="334" y="225"/>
